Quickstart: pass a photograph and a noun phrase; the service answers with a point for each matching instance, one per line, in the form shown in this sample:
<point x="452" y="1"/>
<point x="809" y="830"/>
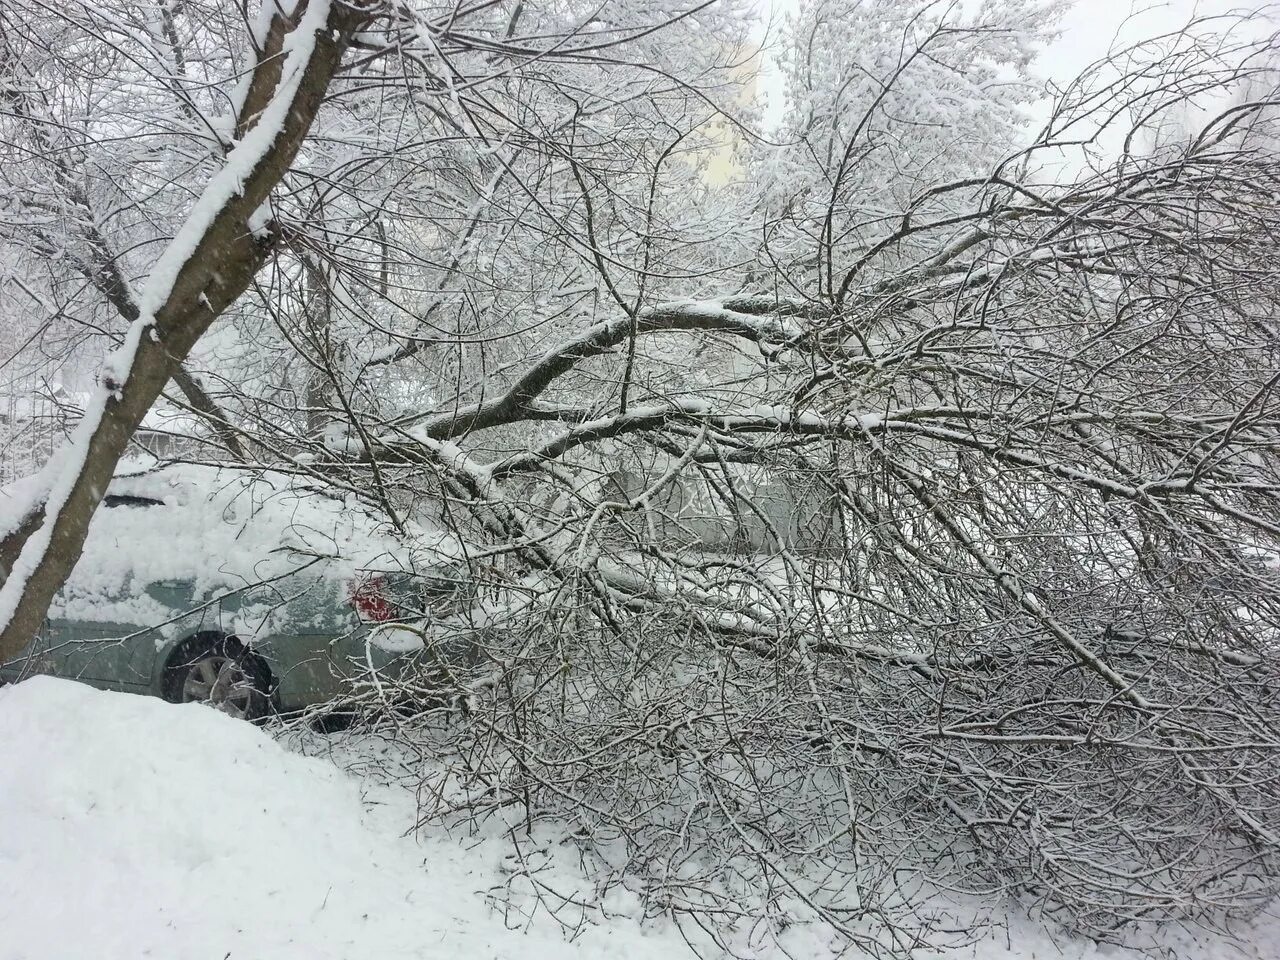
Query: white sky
<point x="1088" y="30"/>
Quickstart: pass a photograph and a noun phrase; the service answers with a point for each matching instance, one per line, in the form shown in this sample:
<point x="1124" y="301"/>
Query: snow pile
<point x="136" y="828"/>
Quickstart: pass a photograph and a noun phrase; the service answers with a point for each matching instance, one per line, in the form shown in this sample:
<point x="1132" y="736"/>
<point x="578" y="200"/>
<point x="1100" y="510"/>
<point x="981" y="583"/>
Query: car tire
<point x="220" y="672"/>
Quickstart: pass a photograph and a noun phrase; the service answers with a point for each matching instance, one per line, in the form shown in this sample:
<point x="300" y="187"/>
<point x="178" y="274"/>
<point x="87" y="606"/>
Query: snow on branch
<point x="749" y="318"/>
<point x="206" y="266"/>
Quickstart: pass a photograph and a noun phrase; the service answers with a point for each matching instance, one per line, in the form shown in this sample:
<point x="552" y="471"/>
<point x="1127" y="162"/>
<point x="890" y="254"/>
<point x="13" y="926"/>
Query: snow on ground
<point x="131" y="828"/>
<point x="134" y="828"/>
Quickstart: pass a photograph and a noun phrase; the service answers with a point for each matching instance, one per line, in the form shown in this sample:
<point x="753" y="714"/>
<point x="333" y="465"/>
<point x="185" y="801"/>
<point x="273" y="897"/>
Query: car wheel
<point x="219" y="672"/>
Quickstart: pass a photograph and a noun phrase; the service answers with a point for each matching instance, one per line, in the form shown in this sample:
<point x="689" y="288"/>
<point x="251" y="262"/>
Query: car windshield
<point x="129" y="500"/>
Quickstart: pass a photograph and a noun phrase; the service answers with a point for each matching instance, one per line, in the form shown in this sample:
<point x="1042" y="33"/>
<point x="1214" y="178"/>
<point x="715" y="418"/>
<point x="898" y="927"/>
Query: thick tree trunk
<point x="293" y="74"/>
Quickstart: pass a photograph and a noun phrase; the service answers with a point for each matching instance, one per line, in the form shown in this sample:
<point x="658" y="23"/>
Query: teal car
<point x="249" y="591"/>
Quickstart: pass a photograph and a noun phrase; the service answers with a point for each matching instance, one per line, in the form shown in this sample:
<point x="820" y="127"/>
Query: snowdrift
<point x="131" y="827"/>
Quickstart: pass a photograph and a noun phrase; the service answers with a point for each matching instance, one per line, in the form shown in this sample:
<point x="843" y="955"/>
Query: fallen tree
<point x="906" y="522"/>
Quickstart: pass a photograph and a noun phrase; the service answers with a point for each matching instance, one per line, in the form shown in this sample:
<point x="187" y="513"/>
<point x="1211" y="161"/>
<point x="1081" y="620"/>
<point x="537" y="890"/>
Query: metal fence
<point x="35" y="415"/>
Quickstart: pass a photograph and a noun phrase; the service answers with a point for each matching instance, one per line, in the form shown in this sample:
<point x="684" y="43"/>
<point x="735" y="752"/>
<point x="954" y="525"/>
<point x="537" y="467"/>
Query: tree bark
<point x="217" y="269"/>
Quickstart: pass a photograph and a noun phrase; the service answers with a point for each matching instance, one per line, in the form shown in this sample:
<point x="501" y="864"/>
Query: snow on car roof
<point x="227" y="527"/>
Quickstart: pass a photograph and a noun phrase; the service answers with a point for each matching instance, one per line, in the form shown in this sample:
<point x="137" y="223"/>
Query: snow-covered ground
<point x="134" y="828"/>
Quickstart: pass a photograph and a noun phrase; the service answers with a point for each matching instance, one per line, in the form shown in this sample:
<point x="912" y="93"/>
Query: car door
<point x="113" y="654"/>
<point x="34" y="659"/>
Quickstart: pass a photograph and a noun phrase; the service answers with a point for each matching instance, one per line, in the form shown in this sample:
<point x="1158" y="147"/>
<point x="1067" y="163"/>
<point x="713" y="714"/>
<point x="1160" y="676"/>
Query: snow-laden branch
<point x="928" y="423"/>
<point x="764" y="322"/>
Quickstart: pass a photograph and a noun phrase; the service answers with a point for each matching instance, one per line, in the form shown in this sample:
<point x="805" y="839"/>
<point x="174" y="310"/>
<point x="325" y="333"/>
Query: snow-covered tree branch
<point x="905" y="504"/>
